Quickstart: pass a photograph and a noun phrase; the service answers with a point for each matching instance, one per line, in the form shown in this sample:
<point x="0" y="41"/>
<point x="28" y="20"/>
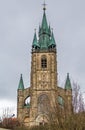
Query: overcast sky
<point x="18" y="19"/>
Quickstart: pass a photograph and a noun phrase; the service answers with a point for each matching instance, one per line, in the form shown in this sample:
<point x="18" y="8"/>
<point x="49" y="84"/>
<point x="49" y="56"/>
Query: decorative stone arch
<point x="61" y="101"/>
<point x="27" y="101"/>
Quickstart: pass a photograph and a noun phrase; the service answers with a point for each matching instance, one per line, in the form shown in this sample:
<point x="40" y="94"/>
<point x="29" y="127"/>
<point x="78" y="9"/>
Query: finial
<point x="67" y="75"/>
<point x="21" y="75"/>
<point x="44" y="6"/>
<point x="35" y="30"/>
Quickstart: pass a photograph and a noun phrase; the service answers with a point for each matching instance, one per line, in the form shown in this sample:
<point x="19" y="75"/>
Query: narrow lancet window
<point x="43" y="62"/>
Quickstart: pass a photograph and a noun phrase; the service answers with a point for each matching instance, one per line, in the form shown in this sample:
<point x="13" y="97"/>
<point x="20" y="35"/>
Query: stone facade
<point x="40" y="102"/>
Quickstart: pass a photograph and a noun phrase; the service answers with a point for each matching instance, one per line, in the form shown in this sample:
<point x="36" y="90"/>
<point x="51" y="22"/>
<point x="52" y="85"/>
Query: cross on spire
<point x="44" y="5"/>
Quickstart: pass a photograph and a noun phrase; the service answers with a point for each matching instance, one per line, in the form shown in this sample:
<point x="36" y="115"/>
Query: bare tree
<point x="81" y="103"/>
<point x="7" y="116"/>
<point x="78" y="101"/>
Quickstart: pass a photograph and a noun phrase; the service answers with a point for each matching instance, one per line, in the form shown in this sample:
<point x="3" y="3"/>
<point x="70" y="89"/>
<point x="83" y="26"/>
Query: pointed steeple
<point x="21" y="84"/>
<point x="35" y="43"/>
<point x="68" y="83"/>
<point x="39" y="30"/>
<point x="46" y="40"/>
<point x="44" y="36"/>
<point x="44" y="25"/>
<point x="49" y="30"/>
<point x="52" y="41"/>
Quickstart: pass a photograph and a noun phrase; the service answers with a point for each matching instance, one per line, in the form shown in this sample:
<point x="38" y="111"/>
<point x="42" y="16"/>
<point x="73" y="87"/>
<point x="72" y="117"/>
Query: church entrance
<point x="42" y="119"/>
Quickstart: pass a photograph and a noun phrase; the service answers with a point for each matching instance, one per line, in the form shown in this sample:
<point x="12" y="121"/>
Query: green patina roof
<point x="49" y="30"/>
<point x="35" y="43"/>
<point x="52" y="41"/>
<point x="44" y="33"/>
<point x="21" y="85"/>
<point x="44" y="27"/>
<point x="68" y="83"/>
<point x="60" y="101"/>
<point x="39" y="29"/>
<point x="45" y="38"/>
<point x="44" y="41"/>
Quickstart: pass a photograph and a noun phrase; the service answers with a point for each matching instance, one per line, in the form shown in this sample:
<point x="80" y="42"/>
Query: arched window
<point x="43" y="104"/>
<point x="60" y="101"/>
<point x="43" y="62"/>
<point x="27" y="102"/>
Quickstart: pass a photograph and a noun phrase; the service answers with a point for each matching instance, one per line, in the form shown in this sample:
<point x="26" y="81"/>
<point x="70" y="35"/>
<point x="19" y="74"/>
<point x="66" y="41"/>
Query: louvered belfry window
<point x="43" y="62"/>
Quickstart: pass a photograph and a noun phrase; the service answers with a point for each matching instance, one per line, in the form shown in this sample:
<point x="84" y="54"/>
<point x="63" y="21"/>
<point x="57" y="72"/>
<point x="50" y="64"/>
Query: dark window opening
<point x="41" y="123"/>
<point x="44" y="63"/>
<point x="27" y="102"/>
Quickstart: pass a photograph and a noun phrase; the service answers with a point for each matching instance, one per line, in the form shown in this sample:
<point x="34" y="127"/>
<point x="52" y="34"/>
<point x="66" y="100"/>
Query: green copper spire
<point x="49" y="30"/>
<point x="68" y="83"/>
<point x="39" y="29"/>
<point x="46" y="40"/>
<point x="35" y="44"/>
<point x="52" y="41"/>
<point x="21" y="85"/>
<point x="44" y="36"/>
<point x="44" y="26"/>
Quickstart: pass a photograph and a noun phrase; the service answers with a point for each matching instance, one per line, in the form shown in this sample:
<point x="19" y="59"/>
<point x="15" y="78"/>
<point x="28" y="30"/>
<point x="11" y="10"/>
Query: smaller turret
<point x="20" y="100"/>
<point x="52" y="41"/>
<point x="49" y="30"/>
<point x="68" y="83"/>
<point x="68" y="93"/>
<point x="21" y="84"/>
<point x="35" y="44"/>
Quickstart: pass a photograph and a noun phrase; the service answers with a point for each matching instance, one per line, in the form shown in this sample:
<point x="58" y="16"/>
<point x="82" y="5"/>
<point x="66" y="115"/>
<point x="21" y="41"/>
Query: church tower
<point x="38" y="104"/>
<point x="43" y="72"/>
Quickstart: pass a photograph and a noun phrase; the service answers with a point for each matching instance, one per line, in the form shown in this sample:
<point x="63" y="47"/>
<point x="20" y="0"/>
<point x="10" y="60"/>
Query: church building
<point x="44" y="100"/>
